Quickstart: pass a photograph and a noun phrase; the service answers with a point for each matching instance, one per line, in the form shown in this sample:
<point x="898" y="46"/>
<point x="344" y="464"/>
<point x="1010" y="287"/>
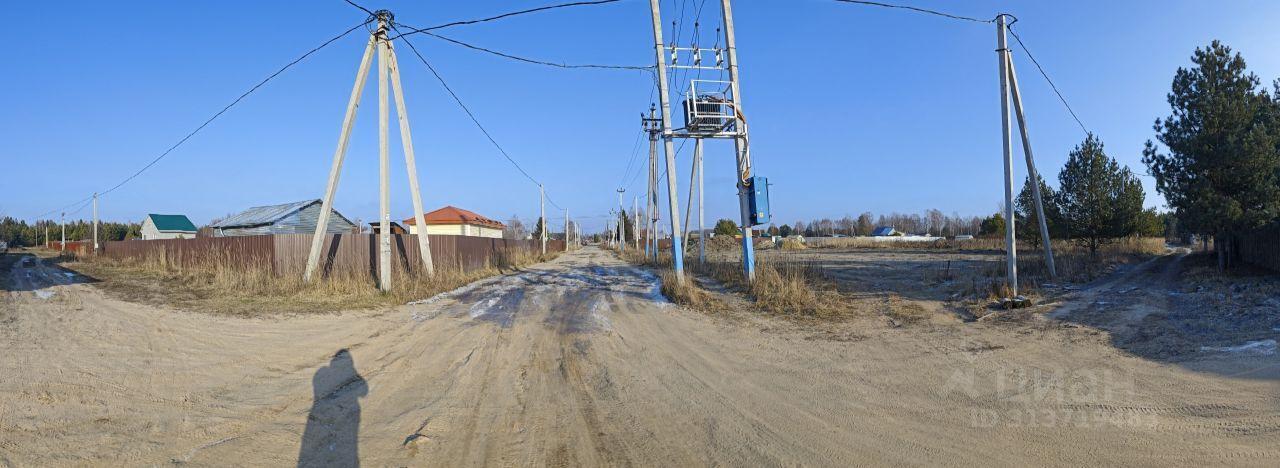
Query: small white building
<point x="162" y="226"/>
<point x="454" y="221"/>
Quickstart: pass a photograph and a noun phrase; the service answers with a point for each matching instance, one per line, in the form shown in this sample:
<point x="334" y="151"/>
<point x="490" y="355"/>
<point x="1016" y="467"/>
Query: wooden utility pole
<point x="388" y="68"/>
<point x="1011" y="248"/>
<point x="673" y="202"/>
<point x="742" y="149"/>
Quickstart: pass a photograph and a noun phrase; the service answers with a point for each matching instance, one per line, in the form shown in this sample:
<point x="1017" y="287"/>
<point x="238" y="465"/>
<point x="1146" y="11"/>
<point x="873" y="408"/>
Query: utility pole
<point x="566" y="229"/>
<point x="1033" y="176"/>
<point x="673" y="202"/>
<point x="387" y="65"/>
<point x="635" y="221"/>
<point x="1011" y="249"/>
<point x="622" y="222"/>
<point x="651" y="125"/>
<point x="542" y="203"/>
<point x="63" y="221"/>
<point x="740" y="143"/>
<point x="95" y="222"/>
<point x="702" y="232"/>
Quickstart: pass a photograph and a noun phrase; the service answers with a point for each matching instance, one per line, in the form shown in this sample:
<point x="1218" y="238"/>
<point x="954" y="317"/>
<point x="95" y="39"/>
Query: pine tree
<point x="1099" y="199"/>
<point x="1220" y="168"/>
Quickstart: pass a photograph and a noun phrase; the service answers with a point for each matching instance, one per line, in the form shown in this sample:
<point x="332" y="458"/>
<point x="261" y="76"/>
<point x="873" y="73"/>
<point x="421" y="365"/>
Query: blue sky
<point x="853" y="108"/>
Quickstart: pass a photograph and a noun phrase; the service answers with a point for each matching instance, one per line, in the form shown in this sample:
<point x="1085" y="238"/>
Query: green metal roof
<point x="171" y="222"/>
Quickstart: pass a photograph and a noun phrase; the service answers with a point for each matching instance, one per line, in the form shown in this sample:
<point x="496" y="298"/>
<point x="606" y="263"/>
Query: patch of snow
<point x="1261" y="348"/>
<point x="69" y="274"/>
<point x="44" y="293"/>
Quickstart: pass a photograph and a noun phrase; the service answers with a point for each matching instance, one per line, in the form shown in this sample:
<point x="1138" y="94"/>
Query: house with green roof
<point x="166" y="226"/>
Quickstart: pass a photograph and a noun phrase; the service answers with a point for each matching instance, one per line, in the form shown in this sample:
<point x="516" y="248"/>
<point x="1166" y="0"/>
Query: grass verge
<point x="218" y="287"/>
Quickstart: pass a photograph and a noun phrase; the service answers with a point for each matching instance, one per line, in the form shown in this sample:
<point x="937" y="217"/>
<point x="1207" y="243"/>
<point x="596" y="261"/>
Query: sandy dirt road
<point x="580" y="362"/>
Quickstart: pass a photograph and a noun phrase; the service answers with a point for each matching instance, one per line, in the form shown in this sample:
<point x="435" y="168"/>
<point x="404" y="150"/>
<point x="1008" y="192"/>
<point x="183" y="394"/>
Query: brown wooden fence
<point x="355" y="254"/>
<point x="1262" y="247"/>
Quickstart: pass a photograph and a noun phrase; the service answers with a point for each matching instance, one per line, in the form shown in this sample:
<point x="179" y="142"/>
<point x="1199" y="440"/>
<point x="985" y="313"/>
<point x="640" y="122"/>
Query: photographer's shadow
<point x="331" y="437"/>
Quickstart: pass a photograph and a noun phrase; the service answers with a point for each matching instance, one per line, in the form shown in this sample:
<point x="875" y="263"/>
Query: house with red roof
<point x="454" y="221"/>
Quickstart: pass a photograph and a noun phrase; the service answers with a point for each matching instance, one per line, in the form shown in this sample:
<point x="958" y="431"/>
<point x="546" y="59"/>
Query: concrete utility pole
<point x="673" y="202"/>
<point x="635" y="221"/>
<point x="693" y="185"/>
<point x="702" y="233"/>
<point x="63" y="221"/>
<point x="622" y="222"/>
<point x="566" y="229"/>
<point x="1011" y="248"/>
<point x="740" y="143"/>
<point x="542" y="204"/>
<point x="1031" y="168"/>
<point x="387" y="65"/>
<point x="95" y="222"/>
<point x="651" y="126"/>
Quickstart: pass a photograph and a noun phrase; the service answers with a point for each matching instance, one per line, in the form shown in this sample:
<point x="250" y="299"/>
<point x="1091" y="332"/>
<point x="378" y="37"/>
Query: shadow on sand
<point x="333" y="425"/>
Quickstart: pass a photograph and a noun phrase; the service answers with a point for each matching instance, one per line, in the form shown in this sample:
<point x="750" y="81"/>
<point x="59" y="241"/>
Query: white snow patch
<point x="1260" y="347"/>
<point x="44" y="293"/>
<point x="482" y="307"/>
<point x="598" y="308"/>
<point x="69" y="274"/>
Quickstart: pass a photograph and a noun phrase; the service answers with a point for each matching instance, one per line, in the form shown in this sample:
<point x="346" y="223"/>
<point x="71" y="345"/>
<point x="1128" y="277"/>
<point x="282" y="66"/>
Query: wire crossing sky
<point x="855" y="106"/>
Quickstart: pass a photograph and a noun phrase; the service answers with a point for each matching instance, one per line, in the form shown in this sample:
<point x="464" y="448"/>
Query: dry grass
<point x="217" y="285"/>
<point x="793" y="244"/>
<point x="786" y="289"/>
<point x="689" y="294"/>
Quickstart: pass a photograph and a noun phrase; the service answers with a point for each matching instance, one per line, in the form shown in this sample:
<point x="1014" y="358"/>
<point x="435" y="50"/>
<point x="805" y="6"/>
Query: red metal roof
<point x="454" y="215"/>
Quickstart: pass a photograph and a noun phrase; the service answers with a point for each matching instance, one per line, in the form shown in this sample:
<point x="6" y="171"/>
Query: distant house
<point x="885" y="231"/>
<point x="396" y="228"/>
<point x="289" y="218"/>
<point x="454" y="221"/>
<point x="163" y="226"/>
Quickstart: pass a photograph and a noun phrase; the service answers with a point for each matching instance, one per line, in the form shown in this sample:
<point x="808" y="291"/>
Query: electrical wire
<point x="472" y="115"/>
<point x="535" y="61"/>
<point x="366" y="10"/>
<point x="498" y="17"/>
<point x="1049" y="80"/>
<point x="919" y="10"/>
<point x="225" y="109"/>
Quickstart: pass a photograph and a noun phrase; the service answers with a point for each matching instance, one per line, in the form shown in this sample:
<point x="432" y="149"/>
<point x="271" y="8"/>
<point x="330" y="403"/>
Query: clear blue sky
<point x="853" y="108"/>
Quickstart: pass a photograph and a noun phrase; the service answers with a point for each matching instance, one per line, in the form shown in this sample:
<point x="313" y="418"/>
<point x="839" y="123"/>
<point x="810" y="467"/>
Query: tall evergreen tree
<point x="1220" y="166"/>
<point x="1099" y="199"/>
<point x="1025" y="209"/>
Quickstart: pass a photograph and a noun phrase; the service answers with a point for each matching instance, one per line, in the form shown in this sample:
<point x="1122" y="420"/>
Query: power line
<point x="533" y="61"/>
<point x="470" y="114"/>
<point x="1046" y="78"/>
<point x="228" y="107"/>
<point x="366" y="10"/>
<point x="919" y="10"/>
<point x="504" y="15"/>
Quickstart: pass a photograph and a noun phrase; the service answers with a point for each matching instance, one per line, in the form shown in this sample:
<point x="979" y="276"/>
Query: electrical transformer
<point x="758" y="200"/>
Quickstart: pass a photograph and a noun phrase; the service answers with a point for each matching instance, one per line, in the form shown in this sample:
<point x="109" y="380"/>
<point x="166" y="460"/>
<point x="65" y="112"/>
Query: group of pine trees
<point x="1097" y="200"/>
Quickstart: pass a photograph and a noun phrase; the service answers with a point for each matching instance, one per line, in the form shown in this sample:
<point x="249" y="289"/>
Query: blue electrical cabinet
<point x="758" y="200"/>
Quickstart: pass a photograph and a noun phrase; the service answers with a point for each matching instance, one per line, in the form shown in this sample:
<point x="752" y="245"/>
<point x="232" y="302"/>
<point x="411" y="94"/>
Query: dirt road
<point x="580" y="361"/>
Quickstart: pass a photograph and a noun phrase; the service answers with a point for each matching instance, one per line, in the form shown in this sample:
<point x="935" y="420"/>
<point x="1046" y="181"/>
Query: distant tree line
<point x="19" y="233"/>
